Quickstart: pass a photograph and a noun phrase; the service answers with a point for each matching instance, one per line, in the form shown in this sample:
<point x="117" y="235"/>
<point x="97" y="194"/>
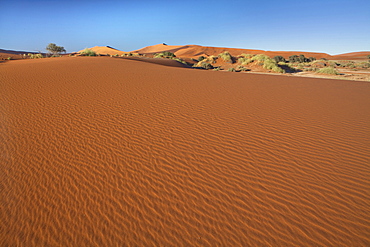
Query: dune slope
<point x="98" y="151"/>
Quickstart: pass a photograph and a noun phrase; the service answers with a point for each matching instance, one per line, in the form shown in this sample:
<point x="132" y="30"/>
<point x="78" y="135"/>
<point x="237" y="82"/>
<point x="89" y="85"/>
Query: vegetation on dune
<point x="203" y="64"/>
<point x="300" y="59"/>
<point x="201" y="58"/>
<point x="231" y="70"/>
<point x="54" y="49"/>
<point x="279" y="59"/>
<point x="260" y="57"/>
<point x="165" y="54"/>
<point x="35" y="56"/>
<point x="247" y="55"/>
<point x="271" y="64"/>
<point x="244" y="60"/>
<point x="226" y="57"/>
<point x="88" y="52"/>
<point x="328" y="70"/>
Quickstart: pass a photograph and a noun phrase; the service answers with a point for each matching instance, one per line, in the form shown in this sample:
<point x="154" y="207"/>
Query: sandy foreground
<point x="112" y="152"/>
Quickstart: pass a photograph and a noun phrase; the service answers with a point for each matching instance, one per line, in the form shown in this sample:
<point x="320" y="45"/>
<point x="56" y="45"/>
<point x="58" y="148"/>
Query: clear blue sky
<point x="331" y="26"/>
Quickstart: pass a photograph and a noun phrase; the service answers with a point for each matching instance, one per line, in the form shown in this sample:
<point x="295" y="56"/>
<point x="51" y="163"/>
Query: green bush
<point x="328" y="70"/>
<point x="226" y="57"/>
<point x="260" y="57"/>
<point x="88" y="52"/>
<point x="201" y="58"/>
<point x="165" y="54"/>
<point x="217" y="69"/>
<point x="279" y="59"/>
<point x="244" y="60"/>
<point x="271" y="64"/>
<point x="231" y="70"/>
<point x="242" y="68"/>
<point x="204" y="65"/>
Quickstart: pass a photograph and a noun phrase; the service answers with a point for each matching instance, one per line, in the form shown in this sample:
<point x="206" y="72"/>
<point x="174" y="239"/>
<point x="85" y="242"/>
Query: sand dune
<point x="196" y="50"/>
<point x="98" y="151"/>
<point x="105" y="50"/>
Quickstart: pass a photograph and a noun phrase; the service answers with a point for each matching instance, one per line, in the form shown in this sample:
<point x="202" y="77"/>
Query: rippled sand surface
<point x="111" y="152"/>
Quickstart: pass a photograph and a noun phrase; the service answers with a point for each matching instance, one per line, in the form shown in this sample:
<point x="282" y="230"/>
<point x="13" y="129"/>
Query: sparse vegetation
<point x="165" y="54"/>
<point x="271" y="64"/>
<point x="35" y="56"/>
<point x="203" y="64"/>
<point x="231" y="70"/>
<point x="54" y="49"/>
<point x="201" y="58"/>
<point x="328" y="70"/>
<point x="9" y="58"/>
<point x="260" y="57"/>
<point x="244" y="60"/>
<point x="279" y="59"/>
<point x="88" y="52"/>
<point x="300" y="59"/>
<point x="226" y="57"/>
<point x="217" y="69"/>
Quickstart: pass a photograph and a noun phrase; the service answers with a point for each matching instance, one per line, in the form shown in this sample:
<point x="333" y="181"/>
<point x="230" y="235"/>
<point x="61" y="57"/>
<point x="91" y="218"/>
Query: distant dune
<point x="196" y="50"/>
<point x="105" y="50"/>
<point x="100" y="151"/>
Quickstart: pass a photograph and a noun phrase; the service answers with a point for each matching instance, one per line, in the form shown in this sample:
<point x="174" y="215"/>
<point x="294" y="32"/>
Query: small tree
<point x="56" y="50"/>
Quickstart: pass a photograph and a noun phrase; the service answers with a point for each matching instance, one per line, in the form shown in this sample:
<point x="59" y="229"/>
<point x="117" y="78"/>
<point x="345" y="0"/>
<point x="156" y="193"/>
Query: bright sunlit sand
<point x="101" y="151"/>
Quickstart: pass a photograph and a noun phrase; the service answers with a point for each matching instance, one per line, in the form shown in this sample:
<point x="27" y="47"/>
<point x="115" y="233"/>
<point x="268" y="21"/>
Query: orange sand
<point x="191" y="51"/>
<point x="97" y="151"/>
<point x="105" y="50"/>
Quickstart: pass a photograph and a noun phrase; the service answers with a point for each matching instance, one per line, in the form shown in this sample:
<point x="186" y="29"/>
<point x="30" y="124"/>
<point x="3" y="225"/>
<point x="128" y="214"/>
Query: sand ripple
<point x="110" y="152"/>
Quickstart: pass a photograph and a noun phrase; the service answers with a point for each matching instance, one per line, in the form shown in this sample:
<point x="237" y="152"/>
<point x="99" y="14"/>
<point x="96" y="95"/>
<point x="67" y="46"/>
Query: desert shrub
<point x="169" y="54"/>
<point x="35" y="56"/>
<point x="204" y="65"/>
<point x="217" y="69"/>
<point x="260" y="57"/>
<point x="231" y="70"/>
<point x="212" y="59"/>
<point x="368" y="57"/>
<point x="328" y="70"/>
<point x="180" y="60"/>
<point x="226" y="57"/>
<point x="165" y="54"/>
<point x="9" y="58"/>
<point x="201" y="58"/>
<point x="323" y="59"/>
<point x="271" y="64"/>
<point x="244" y="61"/>
<point x="88" y="52"/>
<point x="363" y="65"/>
<point x="279" y="59"/>
<point x="242" y="68"/>
<point x="311" y="59"/>
<point x="247" y="55"/>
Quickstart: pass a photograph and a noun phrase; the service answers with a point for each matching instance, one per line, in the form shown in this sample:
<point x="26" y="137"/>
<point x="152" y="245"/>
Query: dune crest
<point x="190" y="51"/>
<point x="105" y="50"/>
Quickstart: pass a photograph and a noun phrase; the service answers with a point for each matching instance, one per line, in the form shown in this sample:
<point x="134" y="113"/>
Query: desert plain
<point x="113" y="151"/>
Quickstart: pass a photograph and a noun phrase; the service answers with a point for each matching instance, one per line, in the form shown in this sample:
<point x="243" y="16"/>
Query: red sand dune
<point x="105" y="50"/>
<point x="98" y="151"/>
<point x="196" y="51"/>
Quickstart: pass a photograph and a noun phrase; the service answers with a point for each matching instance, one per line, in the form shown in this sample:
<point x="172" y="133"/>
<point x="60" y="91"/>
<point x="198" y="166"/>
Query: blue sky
<point x="329" y="26"/>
